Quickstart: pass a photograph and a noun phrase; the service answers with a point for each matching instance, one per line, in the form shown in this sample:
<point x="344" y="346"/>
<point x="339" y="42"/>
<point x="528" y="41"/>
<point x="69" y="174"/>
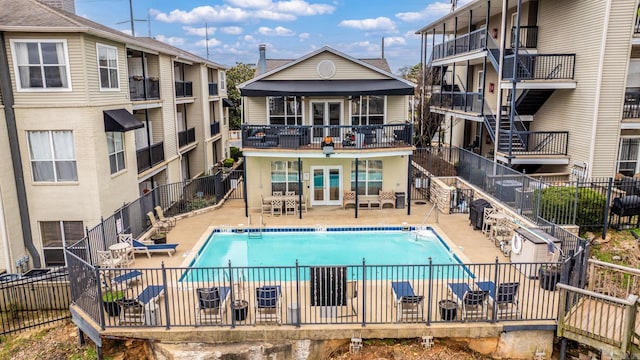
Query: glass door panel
<point x="318" y="186"/>
<point x="334" y="184"/>
<point x="317" y="114"/>
<point x="327" y="185"/>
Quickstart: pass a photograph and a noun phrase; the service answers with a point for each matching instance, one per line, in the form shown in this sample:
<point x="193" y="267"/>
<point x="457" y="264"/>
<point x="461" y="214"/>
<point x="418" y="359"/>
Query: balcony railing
<point x="213" y="89"/>
<point x="540" y="66"/>
<point x="150" y="156"/>
<point x="306" y="137"/>
<point x="141" y="88"/>
<point x="636" y="28"/>
<point x="631" y="108"/>
<point x="215" y="128"/>
<point x="468" y="42"/>
<point x="186" y="137"/>
<point x="184" y="89"/>
<point x="538" y="142"/>
<point x="528" y="37"/>
<point x="462" y="101"/>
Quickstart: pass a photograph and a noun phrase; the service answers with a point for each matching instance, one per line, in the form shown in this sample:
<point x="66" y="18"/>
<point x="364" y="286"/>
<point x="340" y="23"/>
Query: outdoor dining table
<point x="119" y="250"/>
<point x="284" y="198"/>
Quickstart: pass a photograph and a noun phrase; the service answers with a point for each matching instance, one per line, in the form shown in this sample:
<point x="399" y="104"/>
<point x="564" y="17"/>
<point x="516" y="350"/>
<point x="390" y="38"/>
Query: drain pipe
<point x="16" y="159"/>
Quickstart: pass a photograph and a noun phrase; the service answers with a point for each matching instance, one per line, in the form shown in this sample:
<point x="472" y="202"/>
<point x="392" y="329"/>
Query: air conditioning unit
<point x="535" y="249"/>
<point x="524" y="201"/>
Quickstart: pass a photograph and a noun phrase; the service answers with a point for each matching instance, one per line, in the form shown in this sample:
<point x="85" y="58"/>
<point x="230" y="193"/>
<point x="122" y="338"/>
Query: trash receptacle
<point x="448" y="310"/>
<point x="292" y="313"/>
<point x="240" y="308"/>
<point x="151" y="314"/>
<point x="400" y="196"/>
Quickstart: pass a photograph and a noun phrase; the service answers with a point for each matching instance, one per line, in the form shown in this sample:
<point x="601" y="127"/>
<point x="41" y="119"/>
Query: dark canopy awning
<point x="327" y="87"/>
<point x="120" y="120"/>
<point x="227" y="103"/>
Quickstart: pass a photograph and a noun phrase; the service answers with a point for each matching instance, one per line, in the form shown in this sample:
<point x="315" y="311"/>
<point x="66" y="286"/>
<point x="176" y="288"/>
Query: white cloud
<point x="171" y="40"/>
<point x="432" y="11"/>
<point x="394" y="40"/>
<point x="201" y="14"/>
<point x="249" y="38"/>
<point x="411" y="34"/>
<point x="304" y="36"/>
<point x="232" y="30"/>
<point x="212" y="42"/>
<point x="294" y="7"/>
<point x="382" y="23"/>
<point x="273" y="15"/>
<point x="277" y="31"/>
<point x="254" y="4"/>
<point x="202" y="31"/>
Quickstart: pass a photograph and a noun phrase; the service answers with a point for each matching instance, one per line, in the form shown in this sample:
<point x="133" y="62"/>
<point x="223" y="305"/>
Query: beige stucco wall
<point x="259" y="174"/>
<point x="345" y="70"/>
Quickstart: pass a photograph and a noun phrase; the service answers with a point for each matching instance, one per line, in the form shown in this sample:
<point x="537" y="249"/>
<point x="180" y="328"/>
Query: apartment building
<point x="91" y="118"/>
<point x="539" y="85"/>
<point x="323" y="128"/>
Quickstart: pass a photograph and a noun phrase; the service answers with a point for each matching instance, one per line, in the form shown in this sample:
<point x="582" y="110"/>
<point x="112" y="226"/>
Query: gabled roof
<point x="35" y="17"/>
<point x="276" y="63"/>
<point x="335" y="52"/>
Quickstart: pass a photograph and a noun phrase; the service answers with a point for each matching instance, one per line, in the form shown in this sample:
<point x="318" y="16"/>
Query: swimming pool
<point x="406" y="251"/>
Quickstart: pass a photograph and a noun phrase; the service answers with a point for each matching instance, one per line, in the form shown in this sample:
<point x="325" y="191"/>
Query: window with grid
<point x="367" y="110"/>
<point x="369" y="177"/>
<point x="108" y="67"/>
<point x="55" y="236"/>
<point x="628" y="158"/>
<point x="53" y="156"/>
<point x="284" y="176"/>
<point x="41" y="64"/>
<point x="285" y="110"/>
<point x="115" y="147"/>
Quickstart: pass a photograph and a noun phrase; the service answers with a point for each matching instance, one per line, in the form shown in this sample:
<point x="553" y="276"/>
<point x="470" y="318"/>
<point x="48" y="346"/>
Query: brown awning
<point x="120" y="120"/>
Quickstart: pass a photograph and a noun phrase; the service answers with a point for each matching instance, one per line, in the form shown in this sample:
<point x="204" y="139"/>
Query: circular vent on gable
<point x="326" y="69"/>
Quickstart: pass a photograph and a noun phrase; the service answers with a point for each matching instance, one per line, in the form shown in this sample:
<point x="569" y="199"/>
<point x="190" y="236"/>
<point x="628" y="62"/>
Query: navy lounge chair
<point x="212" y="303"/>
<point x="473" y="302"/>
<point x="134" y="311"/>
<point x="504" y="299"/>
<point x="139" y="247"/>
<point x="268" y="304"/>
<point x="408" y="305"/>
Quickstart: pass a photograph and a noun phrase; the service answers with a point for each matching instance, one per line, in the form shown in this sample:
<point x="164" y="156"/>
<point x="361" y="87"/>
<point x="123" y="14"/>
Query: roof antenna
<point x="206" y="37"/>
<point x="382" y="47"/>
<point x="454" y="5"/>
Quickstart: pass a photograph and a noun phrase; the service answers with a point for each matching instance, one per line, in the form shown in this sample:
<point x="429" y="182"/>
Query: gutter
<point x="16" y="159"/>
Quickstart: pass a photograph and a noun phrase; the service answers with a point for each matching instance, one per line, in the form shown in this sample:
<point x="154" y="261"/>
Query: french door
<point x="327" y="185"/>
<point x="326" y="116"/>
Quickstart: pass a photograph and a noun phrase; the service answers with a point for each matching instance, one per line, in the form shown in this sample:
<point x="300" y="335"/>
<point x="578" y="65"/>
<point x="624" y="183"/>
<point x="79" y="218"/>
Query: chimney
<point x="382" y="47"/>
<point x="262" y="62"/>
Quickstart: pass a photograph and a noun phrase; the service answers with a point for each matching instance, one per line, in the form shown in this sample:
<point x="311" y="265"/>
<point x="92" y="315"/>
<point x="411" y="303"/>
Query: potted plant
<point x="227" y="164"/>
<point x="110" y="299"/>
<point x="549" y="275"/>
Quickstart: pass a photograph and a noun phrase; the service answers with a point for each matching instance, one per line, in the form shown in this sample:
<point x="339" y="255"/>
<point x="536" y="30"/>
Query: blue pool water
<point x="405" y="250"/>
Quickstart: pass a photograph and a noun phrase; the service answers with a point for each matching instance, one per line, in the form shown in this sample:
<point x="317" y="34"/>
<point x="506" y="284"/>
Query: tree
<point x="238" y="74"/>
<point x="427" y="123"/>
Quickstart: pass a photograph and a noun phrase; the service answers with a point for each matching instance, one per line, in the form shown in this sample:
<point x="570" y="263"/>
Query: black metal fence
<point x="540" y="66"/>
<point x="34" y="300"/>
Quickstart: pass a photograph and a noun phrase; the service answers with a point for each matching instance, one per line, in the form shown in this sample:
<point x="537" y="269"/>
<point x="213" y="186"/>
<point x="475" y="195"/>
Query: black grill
<point x="476" y="212"/>
<point x="626" y="206"/>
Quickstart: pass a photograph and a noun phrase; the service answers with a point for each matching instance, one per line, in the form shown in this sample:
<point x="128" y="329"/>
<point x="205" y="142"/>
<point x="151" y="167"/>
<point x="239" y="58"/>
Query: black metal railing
<point x="528" y="37"/>
<point x="474" y="40"/>
<point x="184" y="89"/>
<point x="186" y="137"/>
<point x="537" y="142"/>
<point x="540" y="66"/>
<point x="144" y="88"/>
<point x="631" y="109"/>
<point x="636" y="28"/>
<point x="346" y="137"/>
<point x="35" y="298"/>
<point x="150" y="156"/>
<point x="463" y="101"/>
<point x="214" y="128"/>
<point x="213" y="89"/>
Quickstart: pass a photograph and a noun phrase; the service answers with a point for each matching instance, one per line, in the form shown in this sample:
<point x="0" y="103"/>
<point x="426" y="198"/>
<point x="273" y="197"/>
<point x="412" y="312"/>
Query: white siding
<point x="345" y="70"/>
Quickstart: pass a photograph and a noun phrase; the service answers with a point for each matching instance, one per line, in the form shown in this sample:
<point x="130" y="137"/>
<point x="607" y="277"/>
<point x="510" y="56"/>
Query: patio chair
<point x="408" y="305"/>
<point x="387" y="197"/>
<point x="142" y="309"/>
<point x="158" y="225"/>
<point x="348" y="198"/>
<point x="268" y="305"/>
<point x="106" y="259"/>
<point x="146" y="247"/>
<point x="169" y="220"/>
<point x="276" y="206"/>
<point x="472" y="302"/>
<point x="265" y="206"/>
<point x="487" y="221"/>
<point x="352" y="294"/>
<point x="290" y="205"/>
<point x="212" y="304"/>
<point x="504" y="300"/>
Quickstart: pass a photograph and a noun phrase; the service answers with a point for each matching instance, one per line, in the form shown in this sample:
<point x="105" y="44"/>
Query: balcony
<point x="141" y="88"/>
<point x="213" y="89"/>
<point x="460" y="101"/>
<point x="631" y="109"/>
<point x="474" y="40"/>
<point x="186" y="137"/>
<point x="215" y="128"/>
<point x="345" y="137"/>
<point x="184" y="89"/>
<point x="150" y="156"/>
<point x="535" y="142"/>
<point x="528" y="37"/>
<point x="540" y="67"/>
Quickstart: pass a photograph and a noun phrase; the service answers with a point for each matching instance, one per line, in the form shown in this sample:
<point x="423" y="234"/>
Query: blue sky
<point x="289" y="28"/>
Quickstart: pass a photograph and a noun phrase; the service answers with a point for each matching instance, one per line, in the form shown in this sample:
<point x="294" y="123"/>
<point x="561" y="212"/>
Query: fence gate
<point x="420" y="184"/>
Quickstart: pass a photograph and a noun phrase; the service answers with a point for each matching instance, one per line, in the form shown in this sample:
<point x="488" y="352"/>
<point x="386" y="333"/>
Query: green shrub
<point x="236" y="154"/>
<point x="228" y="162"/>
<point x="557" y="204"/>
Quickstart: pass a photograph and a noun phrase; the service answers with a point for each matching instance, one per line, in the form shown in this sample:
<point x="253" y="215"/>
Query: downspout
<point x="175" y="115"/>
<point x="16" y="159"/>
<point x="596" y="108"/>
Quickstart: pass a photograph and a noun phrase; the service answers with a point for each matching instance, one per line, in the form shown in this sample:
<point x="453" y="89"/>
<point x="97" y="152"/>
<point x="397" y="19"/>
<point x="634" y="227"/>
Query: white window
<point x="285" y="110"/>
<point x="367" y="110"/>
<point x="369" y="177"/>
<point x="108" y="67"/>
<point x="55" y="236"/>
<point x="628" y="157"/>
<point x="223" y="79"/>
<point x="284" y="176"/>
<point x="53" y="156"/>
<point x="115" y="147"/>
<point x="41" y="64"/>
